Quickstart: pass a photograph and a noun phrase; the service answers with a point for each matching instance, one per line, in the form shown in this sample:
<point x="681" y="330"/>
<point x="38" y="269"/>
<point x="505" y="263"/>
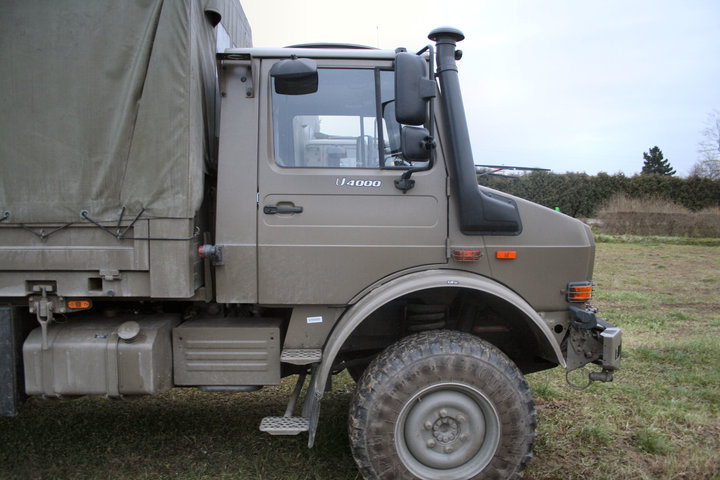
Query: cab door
<point x="330" y="220"/>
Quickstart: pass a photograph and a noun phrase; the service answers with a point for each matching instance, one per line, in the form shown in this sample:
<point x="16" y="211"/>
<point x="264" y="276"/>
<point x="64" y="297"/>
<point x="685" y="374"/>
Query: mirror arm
<point x="430" y="94"/>
<point x="405" y="183"/>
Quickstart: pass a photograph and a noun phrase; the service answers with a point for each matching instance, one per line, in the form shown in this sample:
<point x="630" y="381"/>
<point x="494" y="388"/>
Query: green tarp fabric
<point x="105" y="104"/>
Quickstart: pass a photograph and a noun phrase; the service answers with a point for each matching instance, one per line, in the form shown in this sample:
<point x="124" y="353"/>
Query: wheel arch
<point x="416" y="282"/>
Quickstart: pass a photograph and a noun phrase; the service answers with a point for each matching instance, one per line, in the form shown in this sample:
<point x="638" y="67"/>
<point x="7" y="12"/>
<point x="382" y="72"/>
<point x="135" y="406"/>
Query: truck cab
<point x="309" y="206"/>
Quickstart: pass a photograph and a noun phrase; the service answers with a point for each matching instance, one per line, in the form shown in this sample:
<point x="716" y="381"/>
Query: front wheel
<point x="442" y="405"/>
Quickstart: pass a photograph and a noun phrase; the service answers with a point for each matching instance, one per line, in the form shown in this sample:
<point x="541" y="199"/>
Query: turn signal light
<point x="579" y="292"/>
<point x="506" y="254"/>
<point x="79" y="304"/>
<point x="466" y="255"/>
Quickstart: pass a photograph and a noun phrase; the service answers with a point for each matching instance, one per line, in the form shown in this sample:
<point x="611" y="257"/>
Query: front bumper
<point x="592" y="340"/>
<point x="611" y="345"/>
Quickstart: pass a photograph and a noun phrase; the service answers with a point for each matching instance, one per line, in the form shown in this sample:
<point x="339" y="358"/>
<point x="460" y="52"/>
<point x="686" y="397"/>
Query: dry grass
<point x="653" y="216"/>
<point x="660" y="419"/>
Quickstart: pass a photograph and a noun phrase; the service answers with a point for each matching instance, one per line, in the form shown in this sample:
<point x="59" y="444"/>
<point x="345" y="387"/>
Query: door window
<point x="341" y="125"/>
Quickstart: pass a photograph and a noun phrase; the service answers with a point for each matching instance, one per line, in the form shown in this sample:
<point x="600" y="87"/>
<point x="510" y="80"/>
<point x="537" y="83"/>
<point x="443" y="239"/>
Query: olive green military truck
<point x="171" y="216"/>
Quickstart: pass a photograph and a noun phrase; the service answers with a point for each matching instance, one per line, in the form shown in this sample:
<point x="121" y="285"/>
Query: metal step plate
<point x="284" y="425"/>
<point x="301" y="356"/>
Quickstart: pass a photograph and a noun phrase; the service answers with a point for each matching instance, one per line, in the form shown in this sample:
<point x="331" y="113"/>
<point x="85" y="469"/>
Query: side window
<point x="339" y="126"/>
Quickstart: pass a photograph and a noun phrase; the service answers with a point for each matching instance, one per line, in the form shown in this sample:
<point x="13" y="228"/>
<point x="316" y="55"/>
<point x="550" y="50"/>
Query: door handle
<point x="275" y="209"/>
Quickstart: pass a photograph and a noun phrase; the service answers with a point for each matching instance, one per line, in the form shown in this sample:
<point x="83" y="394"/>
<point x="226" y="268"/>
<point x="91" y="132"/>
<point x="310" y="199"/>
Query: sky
<point x="569" y="85"/>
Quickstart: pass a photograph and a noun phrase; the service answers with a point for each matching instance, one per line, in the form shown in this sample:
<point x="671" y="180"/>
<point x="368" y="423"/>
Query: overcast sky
<point x="571" y="85"/>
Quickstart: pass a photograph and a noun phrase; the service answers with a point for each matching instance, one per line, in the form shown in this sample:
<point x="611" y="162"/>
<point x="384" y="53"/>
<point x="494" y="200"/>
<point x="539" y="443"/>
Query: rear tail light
<point x="80" y="304"/>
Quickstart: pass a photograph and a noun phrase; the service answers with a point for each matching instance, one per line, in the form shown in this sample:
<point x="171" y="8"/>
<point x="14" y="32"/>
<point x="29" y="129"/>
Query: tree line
<point x="583" y="195"/>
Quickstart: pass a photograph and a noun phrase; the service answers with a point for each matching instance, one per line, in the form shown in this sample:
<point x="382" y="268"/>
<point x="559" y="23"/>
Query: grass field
<point x="660" y="419"/>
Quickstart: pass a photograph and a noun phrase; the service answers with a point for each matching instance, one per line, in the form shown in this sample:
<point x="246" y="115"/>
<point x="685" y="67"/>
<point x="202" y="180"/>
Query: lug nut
<point x="460" y="418"/>
<point x="431" y="443"/>
<point x="443" y="413"/>
<point x="428" y="425"/>
<point x="448" y="449"/>
<point x="464" y="437"/>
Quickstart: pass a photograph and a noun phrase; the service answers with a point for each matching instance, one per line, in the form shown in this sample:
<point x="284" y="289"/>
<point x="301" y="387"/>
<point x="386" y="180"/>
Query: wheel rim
<point x="447" y="431"/>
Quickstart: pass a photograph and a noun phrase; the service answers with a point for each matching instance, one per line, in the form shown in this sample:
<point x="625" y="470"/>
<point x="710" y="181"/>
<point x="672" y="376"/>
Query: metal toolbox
<point x="227" y="352"/>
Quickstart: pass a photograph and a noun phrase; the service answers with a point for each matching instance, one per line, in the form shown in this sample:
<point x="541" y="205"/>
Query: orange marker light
<point x="506" y="254"/>
<point x="579" y="292"/>
<point x="466" y="255"/>
<point x="79" y="304"/>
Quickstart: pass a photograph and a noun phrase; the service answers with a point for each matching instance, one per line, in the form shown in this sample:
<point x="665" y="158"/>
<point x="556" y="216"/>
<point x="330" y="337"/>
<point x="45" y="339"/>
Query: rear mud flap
<point x="12" y="333"/>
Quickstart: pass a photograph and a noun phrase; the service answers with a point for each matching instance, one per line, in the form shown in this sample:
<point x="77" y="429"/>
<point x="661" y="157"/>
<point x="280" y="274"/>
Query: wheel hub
<point x="446" y="428"/>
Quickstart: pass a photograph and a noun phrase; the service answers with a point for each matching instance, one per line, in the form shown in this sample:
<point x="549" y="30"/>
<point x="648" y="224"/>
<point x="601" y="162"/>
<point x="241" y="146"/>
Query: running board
<point x="284" y="425"/>
<point x="301" y="356"/>
<point x="287" y="424"/>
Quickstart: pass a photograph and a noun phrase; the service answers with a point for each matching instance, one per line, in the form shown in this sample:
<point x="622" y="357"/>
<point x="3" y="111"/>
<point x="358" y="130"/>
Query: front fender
<point x="399" y="287"/>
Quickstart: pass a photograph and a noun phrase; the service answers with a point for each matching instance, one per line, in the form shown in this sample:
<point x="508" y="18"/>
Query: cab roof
<point x="309" y="51"/>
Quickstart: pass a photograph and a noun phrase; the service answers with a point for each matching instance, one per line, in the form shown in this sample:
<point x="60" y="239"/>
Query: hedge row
<point x="582" y="195"/>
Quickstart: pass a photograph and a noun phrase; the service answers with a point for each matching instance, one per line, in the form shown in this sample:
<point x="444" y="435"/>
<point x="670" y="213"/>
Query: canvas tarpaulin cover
<point x="107" y="104"/>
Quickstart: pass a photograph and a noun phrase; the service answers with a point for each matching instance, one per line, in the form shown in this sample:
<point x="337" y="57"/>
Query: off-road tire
<point x="442" y="405"/>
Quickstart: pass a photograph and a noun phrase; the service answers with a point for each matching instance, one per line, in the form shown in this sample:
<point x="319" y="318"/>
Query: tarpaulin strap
<point x="42" y="235"/>
<point x="121" y="235"/>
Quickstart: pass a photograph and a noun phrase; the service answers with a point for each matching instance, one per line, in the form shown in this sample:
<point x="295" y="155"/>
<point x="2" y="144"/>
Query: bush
<point x="582" y="195"/>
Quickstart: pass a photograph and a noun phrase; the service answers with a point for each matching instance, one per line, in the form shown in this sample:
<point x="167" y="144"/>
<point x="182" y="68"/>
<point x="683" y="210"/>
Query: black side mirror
<point x="413" y="89"/>
<point x="416" y="144"/>
<point x="295" y="76"/>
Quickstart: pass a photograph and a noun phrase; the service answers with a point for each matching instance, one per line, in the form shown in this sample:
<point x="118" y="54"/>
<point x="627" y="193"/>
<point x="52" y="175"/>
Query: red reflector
<point x="79" y="304"/>
<point x="506" y="254"/>
<point x="467" y="255"/>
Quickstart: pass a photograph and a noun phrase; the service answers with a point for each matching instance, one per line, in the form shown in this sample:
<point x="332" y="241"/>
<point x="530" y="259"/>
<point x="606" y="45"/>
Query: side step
<point x="287" y="424"/>
<point x="301" y="356"/>
<point x="284" y="425"/>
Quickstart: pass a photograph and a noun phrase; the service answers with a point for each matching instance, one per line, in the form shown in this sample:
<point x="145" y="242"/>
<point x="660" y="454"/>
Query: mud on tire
<point x="442" y="405"/>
